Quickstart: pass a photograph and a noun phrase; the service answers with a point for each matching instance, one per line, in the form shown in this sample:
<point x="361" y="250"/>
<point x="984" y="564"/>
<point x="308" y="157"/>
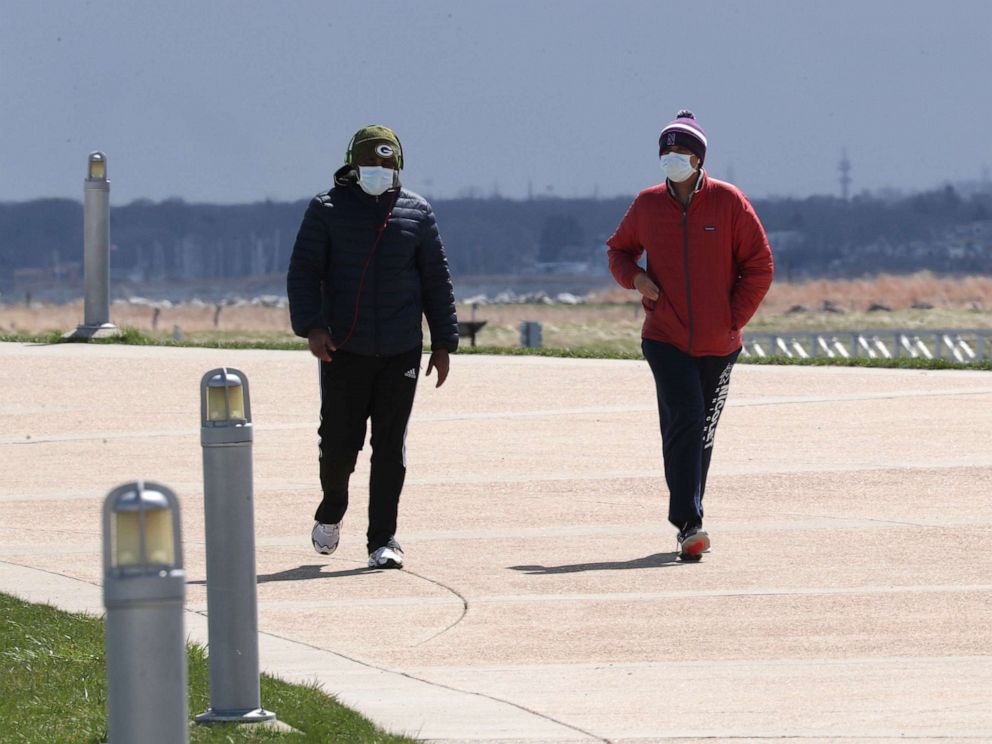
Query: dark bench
<point x="470" y="328"/>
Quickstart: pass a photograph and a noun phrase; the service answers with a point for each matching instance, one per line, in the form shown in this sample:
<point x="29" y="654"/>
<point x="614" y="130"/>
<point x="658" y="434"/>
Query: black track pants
<point x="691" y="394"/>
<point x="354" y="389"/>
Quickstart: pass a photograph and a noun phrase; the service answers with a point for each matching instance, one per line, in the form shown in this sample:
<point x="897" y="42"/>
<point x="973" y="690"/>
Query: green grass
<point x="898" y="363"/>
<point x="133" y="337"/>
<point x="629" y="350"/>
<point x="575" y="352"/>
<point x="54" y="337"/>
<point x="594" y="353"/>
<point x="53" y="689"/>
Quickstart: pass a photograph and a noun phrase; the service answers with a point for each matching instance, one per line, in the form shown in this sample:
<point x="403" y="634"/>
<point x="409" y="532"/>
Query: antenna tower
<point x="845" y="175"/>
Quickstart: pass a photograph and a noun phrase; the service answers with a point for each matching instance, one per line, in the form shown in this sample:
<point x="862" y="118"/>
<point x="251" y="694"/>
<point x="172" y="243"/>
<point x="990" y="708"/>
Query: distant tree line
<point x="812" y="237"/>
<point x="937" y="230"/>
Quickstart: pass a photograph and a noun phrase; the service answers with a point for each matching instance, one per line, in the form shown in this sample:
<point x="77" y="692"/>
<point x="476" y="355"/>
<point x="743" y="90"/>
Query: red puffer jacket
<point x="712" y="263"/>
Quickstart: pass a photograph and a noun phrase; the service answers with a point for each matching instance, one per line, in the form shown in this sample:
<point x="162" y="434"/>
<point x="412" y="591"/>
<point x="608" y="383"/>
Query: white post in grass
<point x="96" y="253"/>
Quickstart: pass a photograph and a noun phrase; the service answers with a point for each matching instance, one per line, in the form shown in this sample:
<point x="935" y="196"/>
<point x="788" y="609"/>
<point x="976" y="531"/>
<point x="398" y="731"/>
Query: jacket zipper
<point x="375" y="300"/>
<point x="688" y="283"/>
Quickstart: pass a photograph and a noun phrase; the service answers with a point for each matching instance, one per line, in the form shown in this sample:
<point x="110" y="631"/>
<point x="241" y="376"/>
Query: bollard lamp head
<point x="97" y="170"/>
<point x="224" y="398"/>
<point x="141" y="529"/>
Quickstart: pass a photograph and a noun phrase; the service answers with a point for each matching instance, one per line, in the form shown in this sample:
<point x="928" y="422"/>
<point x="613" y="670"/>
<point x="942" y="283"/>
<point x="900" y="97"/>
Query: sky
<point x="229" y="101"/>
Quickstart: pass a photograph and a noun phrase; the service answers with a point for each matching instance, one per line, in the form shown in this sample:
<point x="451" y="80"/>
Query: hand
<point x="644" y="285"/>
<point x="321" y="345"/>
<point x="439" y="360"/>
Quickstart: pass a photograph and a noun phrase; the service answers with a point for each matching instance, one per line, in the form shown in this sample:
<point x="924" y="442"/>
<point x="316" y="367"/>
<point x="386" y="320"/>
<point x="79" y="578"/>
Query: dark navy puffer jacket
<point x="372" y="305"/>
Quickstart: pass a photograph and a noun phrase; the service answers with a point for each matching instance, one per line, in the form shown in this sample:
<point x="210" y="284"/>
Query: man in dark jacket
<point x="367" y="266"/>
<point x="708" y="268"/>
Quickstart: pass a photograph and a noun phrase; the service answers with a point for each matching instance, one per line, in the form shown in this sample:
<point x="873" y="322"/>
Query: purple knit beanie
<point x="684" y="131"/>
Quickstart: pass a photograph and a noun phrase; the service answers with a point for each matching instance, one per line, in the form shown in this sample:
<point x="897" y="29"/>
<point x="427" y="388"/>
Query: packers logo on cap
<point x="374" y="140"/>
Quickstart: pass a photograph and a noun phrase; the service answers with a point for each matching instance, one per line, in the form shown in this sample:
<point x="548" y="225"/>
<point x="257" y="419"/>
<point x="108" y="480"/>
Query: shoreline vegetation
<point x="603" y="324"/>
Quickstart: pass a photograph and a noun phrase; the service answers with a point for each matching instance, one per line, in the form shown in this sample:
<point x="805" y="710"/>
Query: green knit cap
<point x="374" y="140"/>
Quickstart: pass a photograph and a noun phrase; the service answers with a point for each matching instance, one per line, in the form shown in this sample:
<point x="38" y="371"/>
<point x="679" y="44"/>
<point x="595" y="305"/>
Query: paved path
<point x="847" y="596"/>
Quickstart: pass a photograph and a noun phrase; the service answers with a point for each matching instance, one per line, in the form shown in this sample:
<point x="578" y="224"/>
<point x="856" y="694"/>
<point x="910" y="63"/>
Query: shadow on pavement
<point x="657" y="560"/>
<point x="313" y="572"/>
<point x="303" y="573"/>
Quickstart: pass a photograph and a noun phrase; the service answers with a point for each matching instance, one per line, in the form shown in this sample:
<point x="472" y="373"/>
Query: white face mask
<point x="676" y="166"/>
<point x="375" y="180"/>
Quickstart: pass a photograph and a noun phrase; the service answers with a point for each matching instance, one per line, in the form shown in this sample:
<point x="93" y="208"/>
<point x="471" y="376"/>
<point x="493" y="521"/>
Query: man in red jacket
<point x="708" y="267"/>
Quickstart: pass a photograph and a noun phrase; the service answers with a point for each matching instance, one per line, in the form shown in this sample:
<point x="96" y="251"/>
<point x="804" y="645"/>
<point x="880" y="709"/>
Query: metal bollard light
<point x="232" y="611"/>
<point x="96" y="253"/>
<point x="144" y="586"/>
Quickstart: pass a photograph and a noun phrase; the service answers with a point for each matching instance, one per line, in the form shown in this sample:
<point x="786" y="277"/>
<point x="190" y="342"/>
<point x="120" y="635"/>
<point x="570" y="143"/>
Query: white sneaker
<point x="389" y="555"/>
<point x="693" y="542"/>
<point x="325" y="537"/>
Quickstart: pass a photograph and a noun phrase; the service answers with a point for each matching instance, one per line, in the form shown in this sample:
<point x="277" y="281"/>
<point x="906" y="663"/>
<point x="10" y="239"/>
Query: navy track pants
<point x="691" y="392"/>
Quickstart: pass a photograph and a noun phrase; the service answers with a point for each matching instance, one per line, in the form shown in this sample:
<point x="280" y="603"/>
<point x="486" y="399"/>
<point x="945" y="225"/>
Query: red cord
<point x="361" y="281"/>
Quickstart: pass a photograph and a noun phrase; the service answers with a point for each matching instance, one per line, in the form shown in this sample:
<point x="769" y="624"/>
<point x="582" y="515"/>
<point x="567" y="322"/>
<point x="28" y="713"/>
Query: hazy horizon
<point x="212" y="103"/>
<point x="475" y="193"/>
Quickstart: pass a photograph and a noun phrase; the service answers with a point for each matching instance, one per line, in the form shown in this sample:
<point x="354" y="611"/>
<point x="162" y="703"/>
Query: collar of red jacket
<point x="700" y="182"/>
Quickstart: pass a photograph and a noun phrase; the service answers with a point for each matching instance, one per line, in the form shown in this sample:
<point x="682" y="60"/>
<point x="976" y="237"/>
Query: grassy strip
<point x="53" y="689"/>
<point x="879" y="363"/>
<point x="134" y="337"/>
<point x="31" y="338"/>
<point x="593" y="353"/>
<point x="575" y="352"/>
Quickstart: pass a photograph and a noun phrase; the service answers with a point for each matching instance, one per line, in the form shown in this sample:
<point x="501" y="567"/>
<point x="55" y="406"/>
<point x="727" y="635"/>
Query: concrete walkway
<point x="847" y="596"/>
